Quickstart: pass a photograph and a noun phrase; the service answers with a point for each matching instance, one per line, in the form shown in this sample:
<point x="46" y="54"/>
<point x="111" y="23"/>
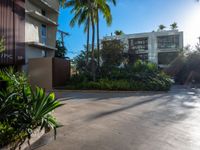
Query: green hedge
<point x="141" y="76"/>
<point x="124" y="85"/>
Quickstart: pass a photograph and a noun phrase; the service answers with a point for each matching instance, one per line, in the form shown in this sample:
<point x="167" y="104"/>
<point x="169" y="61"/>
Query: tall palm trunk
<point x="93" y="39"/>
<point x="98" y="44"/>
<point x="88" y="41"/>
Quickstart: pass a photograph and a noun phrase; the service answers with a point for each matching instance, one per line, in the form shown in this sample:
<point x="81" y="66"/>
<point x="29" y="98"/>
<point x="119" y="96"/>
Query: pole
<point x="63" y="34"/>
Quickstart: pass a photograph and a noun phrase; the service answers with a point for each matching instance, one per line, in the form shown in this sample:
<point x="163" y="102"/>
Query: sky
<point x="137" y="16"/>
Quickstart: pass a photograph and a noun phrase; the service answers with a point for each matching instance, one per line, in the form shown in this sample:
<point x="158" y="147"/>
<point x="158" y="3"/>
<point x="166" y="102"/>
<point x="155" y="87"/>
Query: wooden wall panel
<point x="12" y="29"/>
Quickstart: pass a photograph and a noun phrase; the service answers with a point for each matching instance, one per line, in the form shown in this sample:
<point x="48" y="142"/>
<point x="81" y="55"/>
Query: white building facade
<point x="158" y="47"/>
<point x="41" y="21"/>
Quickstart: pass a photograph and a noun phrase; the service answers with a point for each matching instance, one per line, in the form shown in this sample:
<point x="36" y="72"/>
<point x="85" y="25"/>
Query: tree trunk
<point x="98" y="44"/>
<point x="88" y="41"/>
<point x="93" y="39"/>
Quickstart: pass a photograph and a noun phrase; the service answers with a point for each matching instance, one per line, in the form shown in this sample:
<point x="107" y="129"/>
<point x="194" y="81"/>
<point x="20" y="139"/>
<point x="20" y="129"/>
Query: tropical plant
<point x="161" y="27"/>
<point x="81" y="15"/>
<point x="84" y="13"/>
<point x="87" y="12"/>
<point x="22" y="110"/>
<point x="119" y="32"/>
<point x="81" y="66"/>
<point x="112" y="53"/>
<point x="184" y="68"/>
<point x="174" y="26"/>
<point x="139" y="76"/>
<point x="61" y="49"/>
<point x="103" y="7"/>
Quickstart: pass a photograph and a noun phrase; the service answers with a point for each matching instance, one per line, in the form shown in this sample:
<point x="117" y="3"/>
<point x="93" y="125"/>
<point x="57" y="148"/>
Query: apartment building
<point x="29" y="28"/>
<point x="157" y="47"/>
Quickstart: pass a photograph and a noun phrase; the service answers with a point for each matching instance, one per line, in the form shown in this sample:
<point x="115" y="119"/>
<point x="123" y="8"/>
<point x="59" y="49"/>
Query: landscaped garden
<point x="117" y="72"/>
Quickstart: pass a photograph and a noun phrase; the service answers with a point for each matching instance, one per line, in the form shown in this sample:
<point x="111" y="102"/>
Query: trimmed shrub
<point x="141" y="76"/>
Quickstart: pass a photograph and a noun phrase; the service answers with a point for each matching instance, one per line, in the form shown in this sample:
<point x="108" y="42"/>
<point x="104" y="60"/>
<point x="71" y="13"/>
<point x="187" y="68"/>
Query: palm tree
<point x="174" y="26"/>
<point x="161" y="27"/>
<point x="87" y="12"/>
<point x="119" y="32"/>
<point x="91" y="8"/>
<point x="83" y="11"/>
<point x="103" y="7"/>
<point x="81" y="16"/>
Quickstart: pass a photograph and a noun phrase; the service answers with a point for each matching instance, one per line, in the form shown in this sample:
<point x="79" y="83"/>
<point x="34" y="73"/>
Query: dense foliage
<point x="87" y="13"/>
<point x="112" y="53"/>
<point x="185" y="68"/>
<point x="23" y="110"/>
<point x="117" y="72"/>
<point x="61" y="49"/>
<point x="139" y="76"/>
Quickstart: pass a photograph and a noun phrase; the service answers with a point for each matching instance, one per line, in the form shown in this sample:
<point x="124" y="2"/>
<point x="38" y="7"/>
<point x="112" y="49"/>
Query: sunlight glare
<point x="192" y="26"/>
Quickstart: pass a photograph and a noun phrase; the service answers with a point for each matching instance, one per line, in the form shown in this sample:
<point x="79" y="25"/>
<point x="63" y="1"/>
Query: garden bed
<point x="121" y="85"/>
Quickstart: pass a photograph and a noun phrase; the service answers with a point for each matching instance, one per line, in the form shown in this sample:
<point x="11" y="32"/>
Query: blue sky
<point x="135" y="16"/>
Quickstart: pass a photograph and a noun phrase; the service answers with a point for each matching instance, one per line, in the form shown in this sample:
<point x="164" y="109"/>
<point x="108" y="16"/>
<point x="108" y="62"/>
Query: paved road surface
<point x="128" y="121"/>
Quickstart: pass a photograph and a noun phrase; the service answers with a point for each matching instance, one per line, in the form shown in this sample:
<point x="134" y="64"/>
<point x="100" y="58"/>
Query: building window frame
<point x="43" y="12"/>
<point x="44" y="34"/>
<point x="168" y="42"/>
<point x="138" y="44"/>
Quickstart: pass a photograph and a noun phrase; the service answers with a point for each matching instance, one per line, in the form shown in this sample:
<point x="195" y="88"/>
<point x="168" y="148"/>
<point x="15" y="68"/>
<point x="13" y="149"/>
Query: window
<point x="167" y="58"/>
<point x="168" y="42"/>
<point x="143" y="57"/>
<point x="43" y="12"/>
<point x="137" y="44"/>
<point x="44" y="34"/>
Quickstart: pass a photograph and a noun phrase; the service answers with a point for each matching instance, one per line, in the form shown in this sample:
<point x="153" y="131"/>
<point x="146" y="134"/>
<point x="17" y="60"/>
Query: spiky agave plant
<point x="41" y="107"/>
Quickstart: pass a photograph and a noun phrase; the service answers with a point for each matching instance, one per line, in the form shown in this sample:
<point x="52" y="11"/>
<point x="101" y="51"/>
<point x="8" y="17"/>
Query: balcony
<point x="41" y="46"/>
<point x="41" y="18"/>
<point x="45" y="5"/>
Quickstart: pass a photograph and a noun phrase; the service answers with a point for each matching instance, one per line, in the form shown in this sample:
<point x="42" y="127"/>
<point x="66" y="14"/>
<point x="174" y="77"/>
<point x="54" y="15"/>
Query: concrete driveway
<point x="127" y="121"/>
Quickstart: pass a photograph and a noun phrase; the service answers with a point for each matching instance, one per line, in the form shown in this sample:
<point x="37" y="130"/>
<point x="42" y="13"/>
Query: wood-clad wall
<point x="12" y="29"/>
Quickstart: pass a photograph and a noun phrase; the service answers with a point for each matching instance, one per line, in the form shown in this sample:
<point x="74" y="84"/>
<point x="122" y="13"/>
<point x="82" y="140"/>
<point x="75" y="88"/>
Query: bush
<point x="185" y="67"/>
<point x="22" y="110"/>
<point x="139" y="76"/>
<point x="154" y="84"/>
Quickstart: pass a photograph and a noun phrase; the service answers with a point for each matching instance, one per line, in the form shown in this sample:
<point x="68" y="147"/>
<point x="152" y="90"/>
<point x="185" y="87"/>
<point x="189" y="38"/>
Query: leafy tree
<point x="184" y="67"/>
<point x="112" y="53"/>
<point x="174" y="26"/>
<point x="80" y="63"/>
<point x="62" y="50"/>
<point x="103" y="7"/>
<point x="119" y="32"/>
<point x="161" y="27"/>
